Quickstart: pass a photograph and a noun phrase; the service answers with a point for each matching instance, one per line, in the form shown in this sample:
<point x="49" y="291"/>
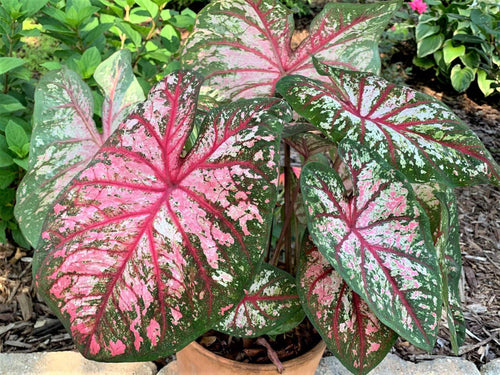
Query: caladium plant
<point x="156" y="230"/>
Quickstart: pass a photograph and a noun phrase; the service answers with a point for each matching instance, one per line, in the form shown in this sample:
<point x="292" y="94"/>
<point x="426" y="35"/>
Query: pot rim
<point x="309" y="355"/>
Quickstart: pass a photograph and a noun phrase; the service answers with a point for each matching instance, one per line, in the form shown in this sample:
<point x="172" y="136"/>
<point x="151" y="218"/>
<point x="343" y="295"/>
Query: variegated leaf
<point x="378" y="240"/>
<point x="414" y="132"/>
<point x="350" y="329"/>
<point x="440" y="205"/>
<point x="243" y="46"/>
<point x="148" y="248"/>
<point x="65" y="137"/>
<point x="309" y="144"/>
<point x="270" y="301"/>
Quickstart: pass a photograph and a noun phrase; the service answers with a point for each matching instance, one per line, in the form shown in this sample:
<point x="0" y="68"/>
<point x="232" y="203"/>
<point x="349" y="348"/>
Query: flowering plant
<point x="418" y="5"/>
<point x="156" y="228"/>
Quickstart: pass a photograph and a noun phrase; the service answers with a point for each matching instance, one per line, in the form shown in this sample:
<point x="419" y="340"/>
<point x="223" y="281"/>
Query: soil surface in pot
<point x="264" y="349"/>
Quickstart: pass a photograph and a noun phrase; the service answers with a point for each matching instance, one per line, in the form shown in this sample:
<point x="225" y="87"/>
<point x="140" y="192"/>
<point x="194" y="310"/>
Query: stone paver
<point x="170" y="369"/>
<point x="394" y="365"/>
<point x="491" y="368"/>
<point x="67" y="363"/>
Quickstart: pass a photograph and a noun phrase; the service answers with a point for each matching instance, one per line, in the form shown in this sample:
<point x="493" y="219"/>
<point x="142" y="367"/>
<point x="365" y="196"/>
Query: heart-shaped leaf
<point x="378" y="240"/>
<point x="65" y="137"/>
<point x="147" y="248"/>
<point x="350" y="329"/>
<point x="440" y="205"/>
<point x="269" y="302"/>
<point x="414" y="132"/>
<point x="243" y="46"/>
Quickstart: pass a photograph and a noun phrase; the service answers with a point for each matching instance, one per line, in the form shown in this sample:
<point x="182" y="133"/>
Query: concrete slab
<point x="67" y="363"/>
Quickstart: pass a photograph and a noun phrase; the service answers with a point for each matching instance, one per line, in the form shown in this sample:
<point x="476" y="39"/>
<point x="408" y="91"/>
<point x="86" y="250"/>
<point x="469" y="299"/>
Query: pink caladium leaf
<point x="149" y="247"/>
<point x="440" y="205"/>
<point x="243" y="46"/>
<point x="378" y="240"/>
<point x="65" y="137"/>
<point x="412" y="131"/>
<point x="350" y="329"/>
<point x="269" y="302"/>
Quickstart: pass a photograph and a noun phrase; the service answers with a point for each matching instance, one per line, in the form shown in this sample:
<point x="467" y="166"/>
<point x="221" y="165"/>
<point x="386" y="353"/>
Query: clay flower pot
<point x="195" y="359"/>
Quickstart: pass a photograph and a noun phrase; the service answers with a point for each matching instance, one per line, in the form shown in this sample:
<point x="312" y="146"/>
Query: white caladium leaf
<point x="378" y="240"/>
<point x="412" y="131"/>
<point x="65" y="137"/>
<point x="345" y="322"/>
<point x="270" y="301"/>
<point x="243" y="46"/>
<point x="440" y="205"/>
<point x="149" y="247"/>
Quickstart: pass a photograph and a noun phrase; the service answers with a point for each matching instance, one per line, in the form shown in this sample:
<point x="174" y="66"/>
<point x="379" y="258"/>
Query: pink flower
<point x="418" y="5"/>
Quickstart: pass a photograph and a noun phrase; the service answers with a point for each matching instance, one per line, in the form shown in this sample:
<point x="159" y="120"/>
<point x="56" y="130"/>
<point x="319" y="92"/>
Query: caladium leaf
<point x="440" y="205"/>
<point x="345" y="322"/>
<point x="148" y="248"/>
<point x="270" y="301"/>
<point x="309" y="144"/>
<point x="378" y="240"/>
<point x="414" y="132"/>
<point x="243" y="46"/>
<point x="65" y="137"/>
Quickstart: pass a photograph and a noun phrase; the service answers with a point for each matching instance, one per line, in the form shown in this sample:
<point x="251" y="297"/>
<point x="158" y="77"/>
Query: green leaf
<point x="51" y="65"/>
<point x="150" y="6"/>
<point x="20" y="239"/>
<point x="170" y="38"/>
<point x="423" y="62"/>
<point x="471" y="59"/>
<point x="89" y="61"/>
<point x="450" y="52"/>
<point x="9" y="104"/>
<point x="484" y="83"/>
<point x="9" y="63"/>
<point x="461" y="78"/>
<point x="5" y="159"/>
<point x="134" y="36"/>
<point x="466" y="38"/>
<point x="429" y="44"/>
<point x="23" y="163"/>
<point x="424" y="30"/>
<point x="3" y="227"/>
<point x="15" y="135"/>
<point x="7" y="176"/>
<point x="181" y="21"/>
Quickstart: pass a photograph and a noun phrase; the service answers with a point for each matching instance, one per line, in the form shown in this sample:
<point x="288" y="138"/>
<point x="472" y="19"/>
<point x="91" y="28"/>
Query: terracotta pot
<point x="194" y="359"/>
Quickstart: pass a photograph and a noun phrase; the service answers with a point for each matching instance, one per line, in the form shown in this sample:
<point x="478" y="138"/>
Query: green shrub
<point x="461" y="41"/>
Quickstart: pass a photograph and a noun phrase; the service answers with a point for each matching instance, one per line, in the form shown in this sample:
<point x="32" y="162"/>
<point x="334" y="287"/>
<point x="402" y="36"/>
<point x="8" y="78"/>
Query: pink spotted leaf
<point x="440" y="205"/>
<point x="65" y="137"/>
<point x="148" y="248"/>
<point x="412" y="131"/>
<point x="345" y="322"/>
<point x="243" y="46"/>
<point x="270" y="304"/>
<point x="378" y="240"/>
